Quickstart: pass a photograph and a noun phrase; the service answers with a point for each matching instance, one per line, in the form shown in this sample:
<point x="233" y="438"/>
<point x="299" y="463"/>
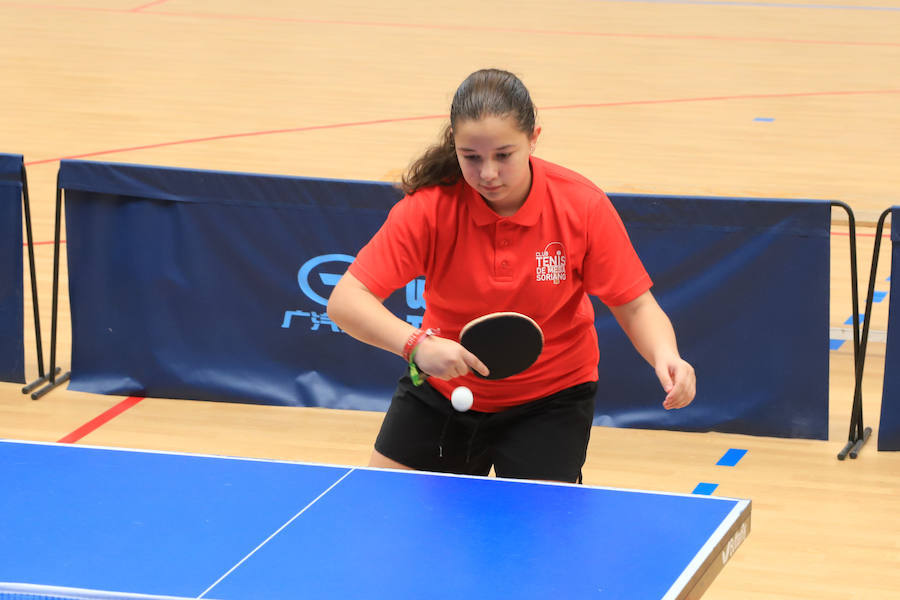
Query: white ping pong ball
<point x="462" y="398"/>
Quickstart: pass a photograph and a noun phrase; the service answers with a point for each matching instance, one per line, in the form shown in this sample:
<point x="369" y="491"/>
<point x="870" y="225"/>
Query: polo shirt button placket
<point x="503" y="266"/>
<point x="504" y="258"/>
<point x="504" y="272"/>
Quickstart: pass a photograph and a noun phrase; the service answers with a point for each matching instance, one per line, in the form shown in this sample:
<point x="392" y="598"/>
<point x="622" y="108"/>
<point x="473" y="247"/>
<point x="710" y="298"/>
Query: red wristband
<point x="414" y="339"/>
<point x="411" y="342"/>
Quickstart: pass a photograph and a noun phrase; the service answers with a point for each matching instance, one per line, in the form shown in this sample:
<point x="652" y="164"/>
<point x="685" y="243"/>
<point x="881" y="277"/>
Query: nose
<point x="489" y="171"/>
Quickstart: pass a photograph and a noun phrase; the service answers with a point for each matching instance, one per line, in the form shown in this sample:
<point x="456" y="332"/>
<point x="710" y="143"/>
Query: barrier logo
<point x="318" y="276"/>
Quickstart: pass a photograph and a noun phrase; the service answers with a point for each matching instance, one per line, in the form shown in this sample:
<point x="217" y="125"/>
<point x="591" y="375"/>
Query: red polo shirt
<point x="565" y="242"/>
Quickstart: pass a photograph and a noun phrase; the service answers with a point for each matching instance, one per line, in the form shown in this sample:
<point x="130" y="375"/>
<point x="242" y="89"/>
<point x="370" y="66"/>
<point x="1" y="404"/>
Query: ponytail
<point x="437" y="166"/>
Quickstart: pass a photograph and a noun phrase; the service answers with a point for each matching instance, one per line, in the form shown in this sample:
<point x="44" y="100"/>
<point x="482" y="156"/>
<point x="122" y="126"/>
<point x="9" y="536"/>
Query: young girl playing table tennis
<point x="493" y="228"/>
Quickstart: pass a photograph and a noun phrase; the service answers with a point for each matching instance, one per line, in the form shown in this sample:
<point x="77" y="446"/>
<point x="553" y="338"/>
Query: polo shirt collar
<point x="528" y="213"/>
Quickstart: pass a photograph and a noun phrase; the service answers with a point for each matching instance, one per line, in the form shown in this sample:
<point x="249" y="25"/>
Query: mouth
<point x="491" y="188"/>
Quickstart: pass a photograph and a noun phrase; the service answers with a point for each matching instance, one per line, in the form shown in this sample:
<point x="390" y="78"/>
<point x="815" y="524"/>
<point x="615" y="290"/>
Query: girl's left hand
<point x="678" y="380"/>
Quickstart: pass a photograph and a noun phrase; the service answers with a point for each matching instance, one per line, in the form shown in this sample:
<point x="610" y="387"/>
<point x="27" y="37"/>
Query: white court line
<point x="268" y="539"/>
<point x="42" y="591"/>
<point x="168" y="453"/>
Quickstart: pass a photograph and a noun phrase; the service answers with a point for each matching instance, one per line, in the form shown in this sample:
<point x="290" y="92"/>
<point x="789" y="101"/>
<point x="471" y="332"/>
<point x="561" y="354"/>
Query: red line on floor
<point x="517" y="30"/>
<point x="100" y="420"/>
<point x="148" y="5"/>
<point x="232" y="136"/>
<point x="50" y="243"/>
<point x="724" y="98"/>
<point x="441" y="26"/>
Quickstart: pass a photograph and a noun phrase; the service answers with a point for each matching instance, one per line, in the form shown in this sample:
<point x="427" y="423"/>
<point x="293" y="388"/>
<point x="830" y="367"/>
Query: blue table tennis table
<point x="79" y="522"/>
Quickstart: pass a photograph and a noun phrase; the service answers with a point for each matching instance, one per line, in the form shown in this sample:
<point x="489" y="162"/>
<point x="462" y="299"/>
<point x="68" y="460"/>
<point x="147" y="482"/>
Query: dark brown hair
<point x="488" y="92"/>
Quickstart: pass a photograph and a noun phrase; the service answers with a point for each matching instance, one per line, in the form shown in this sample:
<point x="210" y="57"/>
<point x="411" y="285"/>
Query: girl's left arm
<point x="652" y="335"/>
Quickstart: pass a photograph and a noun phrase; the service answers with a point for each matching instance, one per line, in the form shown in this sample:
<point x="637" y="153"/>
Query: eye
<point x="471" y="157"/>
<point x="503" y="155"/>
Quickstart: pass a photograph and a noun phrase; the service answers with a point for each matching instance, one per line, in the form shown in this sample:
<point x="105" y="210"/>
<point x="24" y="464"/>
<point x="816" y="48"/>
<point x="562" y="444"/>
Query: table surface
<point x="87" y="522"/>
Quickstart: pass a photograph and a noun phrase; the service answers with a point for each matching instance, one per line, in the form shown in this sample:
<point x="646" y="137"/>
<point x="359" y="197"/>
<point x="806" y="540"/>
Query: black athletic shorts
<point x="543" y="439"/>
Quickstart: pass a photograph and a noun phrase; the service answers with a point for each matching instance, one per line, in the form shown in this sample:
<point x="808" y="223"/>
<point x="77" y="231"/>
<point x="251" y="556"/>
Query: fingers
<point x="665" y="379"/>
<point x="450" y="369"/>
<point x="682" y="384"/>
<point x="446" y="359"/>
<point x="475" y="364"/>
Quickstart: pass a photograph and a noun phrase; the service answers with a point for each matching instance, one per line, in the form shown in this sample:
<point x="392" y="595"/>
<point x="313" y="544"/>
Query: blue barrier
<point x="211" y="285"/>
<point x="889" y="424"/>
<point x="12" y="345"/>
<point x="746" y="285"/>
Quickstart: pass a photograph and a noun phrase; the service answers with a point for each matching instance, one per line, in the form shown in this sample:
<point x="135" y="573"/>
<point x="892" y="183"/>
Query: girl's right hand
<point x="445" y="359"/>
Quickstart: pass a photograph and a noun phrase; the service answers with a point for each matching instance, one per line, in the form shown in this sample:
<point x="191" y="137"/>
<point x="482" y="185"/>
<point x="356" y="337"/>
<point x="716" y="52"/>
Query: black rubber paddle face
<point x="508" y="343"/>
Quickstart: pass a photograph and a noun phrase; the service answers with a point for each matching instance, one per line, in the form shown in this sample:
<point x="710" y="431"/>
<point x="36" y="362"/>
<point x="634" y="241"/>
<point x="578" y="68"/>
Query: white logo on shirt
<point x="551" y="263"/>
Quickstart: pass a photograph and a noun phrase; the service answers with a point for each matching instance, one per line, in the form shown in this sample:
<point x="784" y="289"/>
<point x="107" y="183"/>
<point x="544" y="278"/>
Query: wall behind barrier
<point x="12" y="346"/>
<point x="889" y="425"/>
<point x="210" y="285"/>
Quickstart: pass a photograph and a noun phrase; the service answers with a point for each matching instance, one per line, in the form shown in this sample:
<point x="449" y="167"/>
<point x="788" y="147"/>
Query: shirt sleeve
<point x="396" y="253"/>
<point x="613" y="272"/>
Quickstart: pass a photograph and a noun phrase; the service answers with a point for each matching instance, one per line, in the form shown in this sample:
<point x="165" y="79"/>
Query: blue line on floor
<point x="731" y="458"/>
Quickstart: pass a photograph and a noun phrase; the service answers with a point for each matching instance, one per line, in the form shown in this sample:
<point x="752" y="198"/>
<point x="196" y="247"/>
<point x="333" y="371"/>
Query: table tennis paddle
<point x="507" y="342"/>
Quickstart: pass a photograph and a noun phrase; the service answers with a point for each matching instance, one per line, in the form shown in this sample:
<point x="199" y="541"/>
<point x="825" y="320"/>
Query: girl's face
<point x="493" y="155"/>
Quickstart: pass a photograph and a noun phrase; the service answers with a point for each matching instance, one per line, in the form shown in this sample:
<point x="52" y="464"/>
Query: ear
<point x="534" y="137"/>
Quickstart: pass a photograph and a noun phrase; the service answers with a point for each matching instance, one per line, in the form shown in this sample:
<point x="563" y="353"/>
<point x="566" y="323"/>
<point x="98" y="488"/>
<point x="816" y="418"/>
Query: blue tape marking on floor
<point x="705" y="489"/>
<point x="731" y="458"/>
<point x="764" y="119"/>
<point x="879" y="296"/>
<point x="849" y="320"/>
<point x="835" y="344"/>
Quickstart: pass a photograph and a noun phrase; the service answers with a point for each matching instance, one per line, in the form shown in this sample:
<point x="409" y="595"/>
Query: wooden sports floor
<point x="793" y="99"/>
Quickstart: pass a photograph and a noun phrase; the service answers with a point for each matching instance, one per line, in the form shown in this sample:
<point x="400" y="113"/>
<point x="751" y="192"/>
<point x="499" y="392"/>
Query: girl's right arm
<point x="362" y="315"/>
